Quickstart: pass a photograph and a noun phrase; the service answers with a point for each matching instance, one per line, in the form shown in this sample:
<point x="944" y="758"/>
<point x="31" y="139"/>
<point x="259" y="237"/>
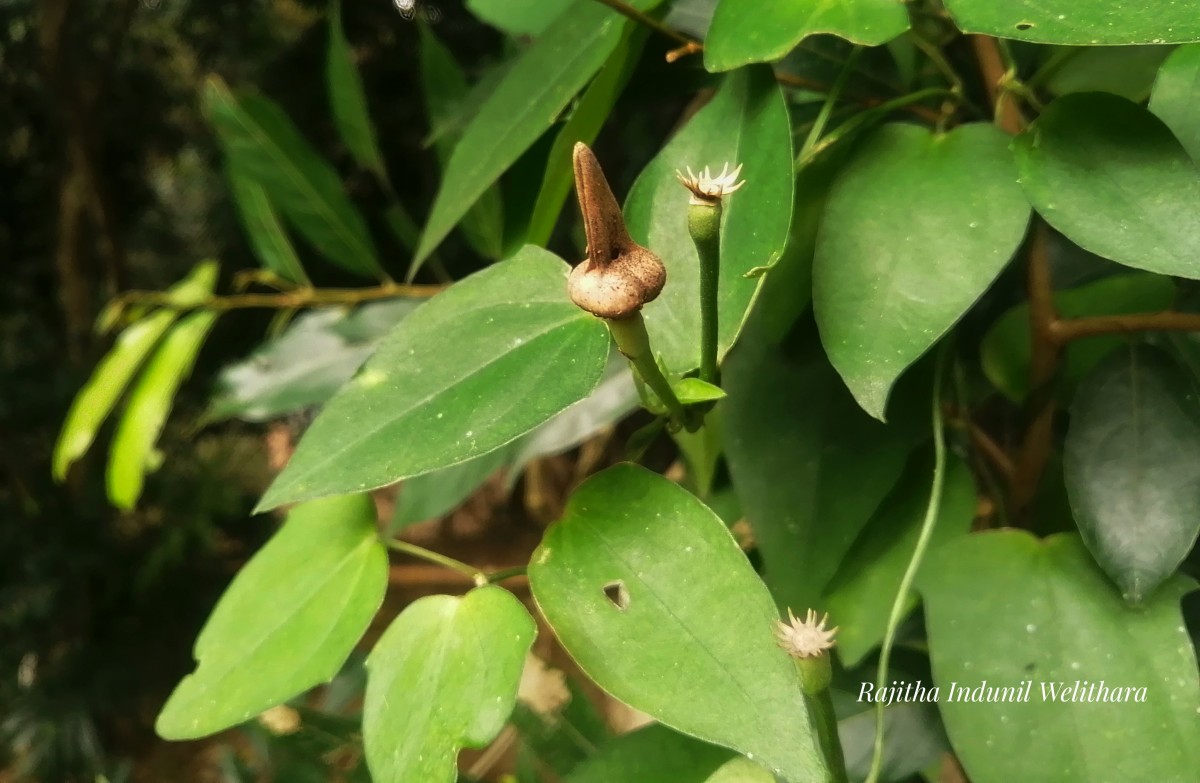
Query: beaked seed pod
<point x="619" y="275"/>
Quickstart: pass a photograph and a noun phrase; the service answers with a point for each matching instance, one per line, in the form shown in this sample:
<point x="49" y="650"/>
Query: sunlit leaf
<point x="471" y="370"/>
<point x="1090" y="23"/>
<point x="287" y="622"/>
<point x="688" y="638"/>
<point x="444" y="676"/>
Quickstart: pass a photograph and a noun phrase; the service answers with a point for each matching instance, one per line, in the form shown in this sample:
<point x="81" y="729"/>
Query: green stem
<point x="429" y="555"/>
<point x="910" y="573"/>
<point x="633" y="341"/>
<point x="862" y="118"/>
<point x="821" y="709"/>
<point x="704" y="223"/>
<point x="506" y="573"/>
<point x="835" y="92"/>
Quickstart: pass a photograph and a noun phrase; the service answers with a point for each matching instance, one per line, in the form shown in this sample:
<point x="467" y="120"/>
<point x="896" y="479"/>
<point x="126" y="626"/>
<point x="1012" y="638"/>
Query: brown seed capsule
<point x="619" y="275"/>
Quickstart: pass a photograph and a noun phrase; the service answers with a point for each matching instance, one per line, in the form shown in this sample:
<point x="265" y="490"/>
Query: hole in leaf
<point x="617" y="594"/>
<point x="1024" y="25"/>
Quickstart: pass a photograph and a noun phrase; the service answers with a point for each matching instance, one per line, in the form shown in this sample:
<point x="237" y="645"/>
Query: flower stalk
<point x="704" y="225"/>
<point x="808" y="641"/>
<point x="633" y="341"/>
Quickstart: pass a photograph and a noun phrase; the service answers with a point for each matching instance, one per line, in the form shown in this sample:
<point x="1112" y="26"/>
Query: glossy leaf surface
<point x="686" y="638"/>
<point x="1132" y="462"/>
<point x="1007" y="608"/>
<point x="747" y="123"/>
<point x="652" y="753"/>
<point x="1114" y="180"/>
<point x="474" y="368"/>
<point x="1095" y="22"/>
<point x="287" y="622"/>
<point x="442" y="677"/>
<point x="1176" y="97"/>
<point x="889" y="280"/>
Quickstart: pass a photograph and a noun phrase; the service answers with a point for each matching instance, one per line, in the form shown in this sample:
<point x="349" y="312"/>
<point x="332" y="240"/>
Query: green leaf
<point x="268" y="238"/>
<point x="445" y="89"/>
<point x="474" y="368"/>
<point x="96" y="399"/>
<point x="741" y="770"/>
<point x="523" y="105"/>
<point x="860" y="597"/>
<point x="687" y="639"/>
<point x="1091" y="23"/>
<point x="1009" y="609"/>
<point x="1132" y="462"/>
<point x="746" y="122"/>
<point x="652" y="753"/>
<point x="263" y="145"/>
<point x="1176" y="97"/>
<point x="442" y="677"/>
<point x="915" y="738"/>
<point x="1112" y="178"/>
<point x="433" y="495"/>
<point x="809" y="483"/>
<point x="130" y="458"/>
<point x="287" y="622"/>
<point x="753" y="31"/>
<point x="1127" y="71"/>
<point x="693" y="390"/>
<point x="518" y="17"/>
<point x="1004" y="352"/>
<point x="889" y="279"/>
<point x="348" y="100"/>
<point x="306" y="364"/>
<point x="585" y="123"/>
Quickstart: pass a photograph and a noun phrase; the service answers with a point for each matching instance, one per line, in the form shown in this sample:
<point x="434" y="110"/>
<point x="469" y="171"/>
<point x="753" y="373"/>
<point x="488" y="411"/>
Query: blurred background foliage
<point x="112" y="180"/>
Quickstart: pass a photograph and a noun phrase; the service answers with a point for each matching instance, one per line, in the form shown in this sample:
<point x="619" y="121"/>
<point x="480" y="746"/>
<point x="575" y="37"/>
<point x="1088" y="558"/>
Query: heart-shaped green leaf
<point x="755" y="31"/>
<point x="1004" y="610"/>
<point x="1111" y="177"/>
<point x="443" y="676"/>
<point x="686" y="638"/>
<point x="747" y="123"/>
<point x="287" y="622"/>
<point x="1004" y="352"/>
<point x="1089" y="23"/>
<point x="890" y="279"/>
<point x="472" y="369"/>
<point x="1176" y="97"/>
<point x="1132" y="465"/>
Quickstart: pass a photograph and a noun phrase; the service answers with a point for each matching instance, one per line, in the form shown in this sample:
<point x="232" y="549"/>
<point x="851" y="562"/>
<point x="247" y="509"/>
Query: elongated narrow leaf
<point x="860" y="597"/>
<point x="1004" y="351"/>
<point x="687" y="638"/>
<point x="652" y="753"/>
<point x="445" y="92"/>
<point x="754" y="31"/>
<point x="1090" y="23"/>
<point x="98" y="396"/>
<point x="348" y="100"/>
<point x="584" y="125"/>
<point x="149" y="403"/>
<point x="1089" y="158"/>
<point x="471" y="370"/>
<point x="262" y="143"/>
<point x="1004" y="610"/>
<point x="889" y="280"/>
<point x="1132" y="464"/>
<point x="523" y="105"/>
<point x="268" y="238"/>
<point x="746" y="123"/>
<point x="1176" y="97"/>
<point x="287" y="622"/>
<point x="444" y="676"/>
<point x="809" y="484"/>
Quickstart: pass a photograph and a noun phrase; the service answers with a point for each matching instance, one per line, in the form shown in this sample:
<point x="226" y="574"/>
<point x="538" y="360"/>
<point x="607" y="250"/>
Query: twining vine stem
<point x="479" y="577"/>
<point x="300" y="298"/>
